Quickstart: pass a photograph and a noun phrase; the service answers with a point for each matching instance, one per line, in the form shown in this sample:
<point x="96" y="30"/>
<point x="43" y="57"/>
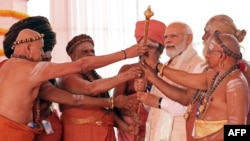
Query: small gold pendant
<point x="201" y="108"/>
<point x="205" y="101"/>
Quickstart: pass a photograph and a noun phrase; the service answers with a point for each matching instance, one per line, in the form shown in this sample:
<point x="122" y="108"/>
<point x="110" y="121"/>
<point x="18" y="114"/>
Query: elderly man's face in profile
<point x="208" y="35"/>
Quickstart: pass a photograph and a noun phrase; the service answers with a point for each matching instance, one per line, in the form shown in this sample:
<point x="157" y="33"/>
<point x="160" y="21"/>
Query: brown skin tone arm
<point x="118" y="91"/>
<point x="153" y="100"/>
<point x="199" y="80"/>
<point x="121" y="89"/>
<point x="247" y="72"/>
<point x="148" y="99"/>
<point x="100" y="61"/>
<point x="237" y="96"/>
<point x="79" y="85"/>
<point x="51" y="93"/>
<point x="177" y="76"/>
<point x="247" y="75"/>
<point x="182" y="96"/>
<point x="126" y="102"/>
<point x="44" y="70"/>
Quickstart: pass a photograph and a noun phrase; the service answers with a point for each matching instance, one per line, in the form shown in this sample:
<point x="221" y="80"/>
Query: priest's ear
<point x="27" y="48"/>
<point x="223" y="56"/>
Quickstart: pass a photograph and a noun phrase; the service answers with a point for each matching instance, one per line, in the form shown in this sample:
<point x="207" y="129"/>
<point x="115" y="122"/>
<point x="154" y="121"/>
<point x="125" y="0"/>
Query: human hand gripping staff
<point x="140" y="83"/>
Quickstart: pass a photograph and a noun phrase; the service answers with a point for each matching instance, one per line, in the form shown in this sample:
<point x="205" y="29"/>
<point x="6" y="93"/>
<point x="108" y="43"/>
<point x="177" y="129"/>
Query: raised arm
<point x="192" y="80"/>
<point x="75" y="84"/>
<point x="122" y="89"/>
<point x="100" y="61"/>
<point x="177" y="94"/>
<point x="51" y="93"/>
<point x="46" y="70"/>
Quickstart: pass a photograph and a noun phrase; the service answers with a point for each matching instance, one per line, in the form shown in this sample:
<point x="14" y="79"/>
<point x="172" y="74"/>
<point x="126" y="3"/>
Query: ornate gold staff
<point x="148" y="14"/>
<point x="140" y="83"/>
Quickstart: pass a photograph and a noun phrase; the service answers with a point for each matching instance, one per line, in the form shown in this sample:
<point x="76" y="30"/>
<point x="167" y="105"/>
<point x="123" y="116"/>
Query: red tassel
<point x="243" y="66"/>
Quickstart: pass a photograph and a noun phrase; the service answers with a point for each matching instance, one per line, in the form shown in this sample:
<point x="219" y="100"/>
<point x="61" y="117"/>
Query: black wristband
<point x="156" y="67"/>
<point x="125" y="54"/>
<point x="159" y="103"/>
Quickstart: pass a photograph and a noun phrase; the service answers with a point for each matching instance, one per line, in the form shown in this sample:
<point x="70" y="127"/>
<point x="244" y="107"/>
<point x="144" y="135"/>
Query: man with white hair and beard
<point x="166" y="122"/>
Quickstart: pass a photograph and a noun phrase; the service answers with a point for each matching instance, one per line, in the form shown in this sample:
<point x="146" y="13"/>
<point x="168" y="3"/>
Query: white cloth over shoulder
<point x="159" y="124"/>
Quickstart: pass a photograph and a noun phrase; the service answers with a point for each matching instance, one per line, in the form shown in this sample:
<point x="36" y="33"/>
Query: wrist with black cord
<point x="159" y="102"/>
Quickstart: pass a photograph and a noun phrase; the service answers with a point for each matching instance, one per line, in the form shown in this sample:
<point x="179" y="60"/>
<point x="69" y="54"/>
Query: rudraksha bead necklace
<point x="204" y="97"/>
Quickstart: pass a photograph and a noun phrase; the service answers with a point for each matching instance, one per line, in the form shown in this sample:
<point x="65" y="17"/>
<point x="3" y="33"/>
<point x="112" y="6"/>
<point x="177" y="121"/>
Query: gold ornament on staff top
<point x="148" y="14"/>
<point x="140" y="83"/>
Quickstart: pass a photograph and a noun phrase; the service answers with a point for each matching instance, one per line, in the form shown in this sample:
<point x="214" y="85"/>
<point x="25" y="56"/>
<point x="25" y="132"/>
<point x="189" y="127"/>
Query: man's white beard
<point x="178" y="49"/>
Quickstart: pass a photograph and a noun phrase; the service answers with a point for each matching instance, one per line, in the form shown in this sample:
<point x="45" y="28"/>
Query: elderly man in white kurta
<point x="168" y="123"/>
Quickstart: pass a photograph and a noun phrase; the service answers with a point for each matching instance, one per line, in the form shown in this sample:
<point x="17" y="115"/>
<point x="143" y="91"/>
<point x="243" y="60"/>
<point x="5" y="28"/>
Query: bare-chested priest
<point x="25" y="71"/>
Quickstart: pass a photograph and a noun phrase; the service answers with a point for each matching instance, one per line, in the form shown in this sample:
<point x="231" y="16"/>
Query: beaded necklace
<point x="20" y="56"/>
<point x="198" y="96"/>
<point x="204" y="97"/>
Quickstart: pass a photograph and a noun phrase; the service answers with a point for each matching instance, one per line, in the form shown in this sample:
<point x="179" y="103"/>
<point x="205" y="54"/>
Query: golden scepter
<point x="140" y="83"/>
<point x="148" y="14"/>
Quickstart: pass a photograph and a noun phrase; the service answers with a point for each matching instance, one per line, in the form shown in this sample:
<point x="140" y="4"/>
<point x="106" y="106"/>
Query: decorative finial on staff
<point x="140" y="83"/>
<point x="148" y="14"/>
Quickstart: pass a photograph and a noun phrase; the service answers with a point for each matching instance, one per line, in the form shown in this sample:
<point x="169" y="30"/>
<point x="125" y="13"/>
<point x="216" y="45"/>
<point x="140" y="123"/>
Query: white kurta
<point x="159" y="124"/>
